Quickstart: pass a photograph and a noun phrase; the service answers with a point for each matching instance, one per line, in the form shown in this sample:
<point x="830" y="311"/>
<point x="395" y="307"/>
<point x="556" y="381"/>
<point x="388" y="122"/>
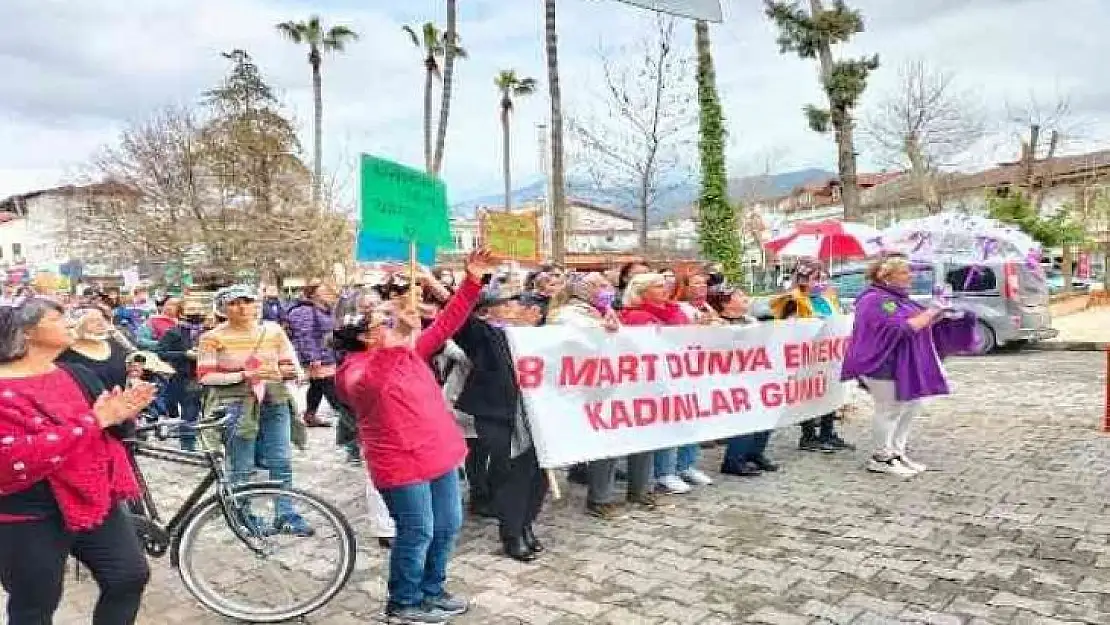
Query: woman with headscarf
<point x="647" y="302"/>
<point x="588" y="303"/>
<point x="63" y="474"/>
<point x="897" y="350"/>
<point x="811" y="297"/>
<point x="411" y="444"/>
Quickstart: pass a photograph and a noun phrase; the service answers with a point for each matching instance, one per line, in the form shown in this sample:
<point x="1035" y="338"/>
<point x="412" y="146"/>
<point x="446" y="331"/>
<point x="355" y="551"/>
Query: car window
<point x="922" y="281"/>
<point x="849" y="285"/>
<point x="972" y="279"/>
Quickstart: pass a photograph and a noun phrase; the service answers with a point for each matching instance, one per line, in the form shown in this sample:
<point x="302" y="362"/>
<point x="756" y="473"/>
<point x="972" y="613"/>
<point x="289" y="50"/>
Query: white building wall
<point x="36" y="239"/>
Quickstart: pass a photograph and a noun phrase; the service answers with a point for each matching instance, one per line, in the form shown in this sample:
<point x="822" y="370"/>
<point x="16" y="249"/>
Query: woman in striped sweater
<point x="245" y="363"/>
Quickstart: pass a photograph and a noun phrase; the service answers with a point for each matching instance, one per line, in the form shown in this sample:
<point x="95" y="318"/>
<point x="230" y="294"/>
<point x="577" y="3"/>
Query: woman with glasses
<point x="63" y="475"/>
<point x="410" y="442"/>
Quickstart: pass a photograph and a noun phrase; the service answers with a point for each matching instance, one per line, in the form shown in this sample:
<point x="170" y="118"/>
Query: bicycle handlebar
<point x="164" y="428"/>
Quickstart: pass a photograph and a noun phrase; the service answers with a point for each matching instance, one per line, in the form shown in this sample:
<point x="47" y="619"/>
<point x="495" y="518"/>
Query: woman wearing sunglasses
<point x="411" y="442"/>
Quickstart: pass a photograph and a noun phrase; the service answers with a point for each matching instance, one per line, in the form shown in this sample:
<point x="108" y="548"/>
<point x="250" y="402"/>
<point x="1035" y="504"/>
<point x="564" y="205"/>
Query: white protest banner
<point x="591" y="394"/>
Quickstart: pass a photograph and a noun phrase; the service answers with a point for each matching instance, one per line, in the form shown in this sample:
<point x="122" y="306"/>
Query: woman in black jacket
<point x="492" y="396"/>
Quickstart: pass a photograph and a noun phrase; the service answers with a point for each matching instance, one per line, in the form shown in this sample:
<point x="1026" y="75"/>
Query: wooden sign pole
<point x="412" y="275"/>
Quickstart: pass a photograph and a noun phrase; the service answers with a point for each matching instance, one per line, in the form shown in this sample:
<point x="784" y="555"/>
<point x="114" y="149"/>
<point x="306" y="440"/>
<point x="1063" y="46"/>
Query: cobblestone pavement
<point x="1092" y="324"/>
<point x="1010" y="527"/>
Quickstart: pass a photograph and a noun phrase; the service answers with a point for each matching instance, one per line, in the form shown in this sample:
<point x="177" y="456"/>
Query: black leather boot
<point x="517" y="549"/>
<point x="530" y="539"/>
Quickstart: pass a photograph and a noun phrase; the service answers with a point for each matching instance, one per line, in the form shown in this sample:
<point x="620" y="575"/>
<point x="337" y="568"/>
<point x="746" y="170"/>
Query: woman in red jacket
<point x="647" y="302"/>
<point x="411" y="443"/>
<point x="63" y="474"/>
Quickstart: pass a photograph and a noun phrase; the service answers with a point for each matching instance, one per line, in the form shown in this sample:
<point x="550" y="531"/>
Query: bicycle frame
<point x="216" y="475"/>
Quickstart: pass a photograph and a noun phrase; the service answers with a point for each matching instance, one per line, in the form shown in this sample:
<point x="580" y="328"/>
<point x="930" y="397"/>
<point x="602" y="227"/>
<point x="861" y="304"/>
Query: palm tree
<point x="452" y="50"/>
<point x="319" y="40"/>
<point x="509" y="85"/>
<point x="558" y="190"/>
<point x="431" y="41"/>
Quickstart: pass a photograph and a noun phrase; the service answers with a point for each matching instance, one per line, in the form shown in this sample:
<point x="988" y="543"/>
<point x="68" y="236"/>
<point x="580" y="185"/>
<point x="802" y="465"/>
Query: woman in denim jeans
<point x="410" y="441"/>
<point x="647" y="302"/>
<point x="691" y="293"/>
<point x="244" y="364"/>
<point x="746" y="454"/>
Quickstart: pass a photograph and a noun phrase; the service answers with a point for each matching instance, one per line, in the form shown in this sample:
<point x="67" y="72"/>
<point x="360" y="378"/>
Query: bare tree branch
<point x="637" y="147"/>
<point x="925" y="124"/>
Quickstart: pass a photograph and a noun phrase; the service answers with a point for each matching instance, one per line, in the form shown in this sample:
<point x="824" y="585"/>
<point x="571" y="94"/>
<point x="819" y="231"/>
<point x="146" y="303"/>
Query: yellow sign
<point x="49" y="282"/>
<point x="511" y="235"/>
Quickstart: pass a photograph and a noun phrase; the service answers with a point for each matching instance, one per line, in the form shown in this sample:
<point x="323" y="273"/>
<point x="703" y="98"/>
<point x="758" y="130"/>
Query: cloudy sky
<point x="76" y="72"/>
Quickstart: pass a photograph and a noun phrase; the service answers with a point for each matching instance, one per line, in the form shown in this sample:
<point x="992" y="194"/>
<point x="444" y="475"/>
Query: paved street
<point x="1012" y="527"/>
<point x="1092" y="325"/>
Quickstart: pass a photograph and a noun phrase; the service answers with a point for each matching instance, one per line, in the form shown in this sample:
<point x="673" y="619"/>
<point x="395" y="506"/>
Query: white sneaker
<point x="916" y="467"/>
<point x="672" y="485"/>
<point x="694" y="477"/>
<point x="893" y="466"/>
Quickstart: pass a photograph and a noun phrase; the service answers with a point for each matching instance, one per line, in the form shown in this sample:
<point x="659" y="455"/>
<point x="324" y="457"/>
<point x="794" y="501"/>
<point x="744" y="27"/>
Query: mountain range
<point x="676" y="203"/>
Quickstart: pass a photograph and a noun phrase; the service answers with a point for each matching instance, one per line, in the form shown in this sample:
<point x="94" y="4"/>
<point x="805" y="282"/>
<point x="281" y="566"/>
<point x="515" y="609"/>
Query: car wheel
<point x="985" y="342"/>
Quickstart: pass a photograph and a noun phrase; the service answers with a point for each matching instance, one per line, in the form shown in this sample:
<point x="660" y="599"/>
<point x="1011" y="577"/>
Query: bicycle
<point x="233" y="507"/>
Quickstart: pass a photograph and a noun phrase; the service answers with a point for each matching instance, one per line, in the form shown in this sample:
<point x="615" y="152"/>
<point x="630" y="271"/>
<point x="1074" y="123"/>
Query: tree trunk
<point x="1067" y="265"/>
<point x="558" y="189"/>
<point x="506" y="106"/>
<point x="1106" y="263"/>
<point x="429" y="81"/>
<point x="842" y="128"/>
<point x="1049" y="172"/>
<point x="643" y="230"/>
<point x="1029" y="157"/>
<point x="318" y="139"/>
<point x="923" y="176"/>
<point x="450" y="41"/>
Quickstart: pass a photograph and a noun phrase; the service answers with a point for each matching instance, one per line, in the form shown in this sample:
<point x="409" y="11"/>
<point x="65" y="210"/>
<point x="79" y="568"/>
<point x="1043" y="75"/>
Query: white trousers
<point x="893" y="419"/>
<point x="381" y="524"/>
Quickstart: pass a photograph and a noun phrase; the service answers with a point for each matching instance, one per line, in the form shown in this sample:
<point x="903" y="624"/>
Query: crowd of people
<point x="421" y="379"/>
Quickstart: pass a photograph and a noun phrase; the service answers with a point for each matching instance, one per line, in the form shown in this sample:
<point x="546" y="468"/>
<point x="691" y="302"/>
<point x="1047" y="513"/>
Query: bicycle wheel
<point x="291" y="576"/>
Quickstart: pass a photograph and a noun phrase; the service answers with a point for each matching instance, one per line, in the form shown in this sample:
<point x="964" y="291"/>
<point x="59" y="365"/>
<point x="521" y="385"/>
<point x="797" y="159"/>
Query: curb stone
<point x="1069" y="346"/>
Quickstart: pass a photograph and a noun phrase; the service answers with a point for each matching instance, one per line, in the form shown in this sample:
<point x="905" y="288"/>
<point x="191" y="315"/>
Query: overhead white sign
<point x="591" y="394"/>
<point x="708" y="10"/>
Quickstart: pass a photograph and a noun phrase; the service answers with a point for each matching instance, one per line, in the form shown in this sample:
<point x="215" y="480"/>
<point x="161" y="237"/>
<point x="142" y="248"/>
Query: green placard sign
<point x="403" y="203"/>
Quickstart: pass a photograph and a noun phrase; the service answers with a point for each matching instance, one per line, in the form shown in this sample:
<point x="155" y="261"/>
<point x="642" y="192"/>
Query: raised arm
<point x="450" y="319"/>
<point x="458" y="308"/>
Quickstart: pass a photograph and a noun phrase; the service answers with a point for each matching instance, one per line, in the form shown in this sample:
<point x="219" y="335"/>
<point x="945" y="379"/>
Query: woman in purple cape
<point x="896" y="351"/>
